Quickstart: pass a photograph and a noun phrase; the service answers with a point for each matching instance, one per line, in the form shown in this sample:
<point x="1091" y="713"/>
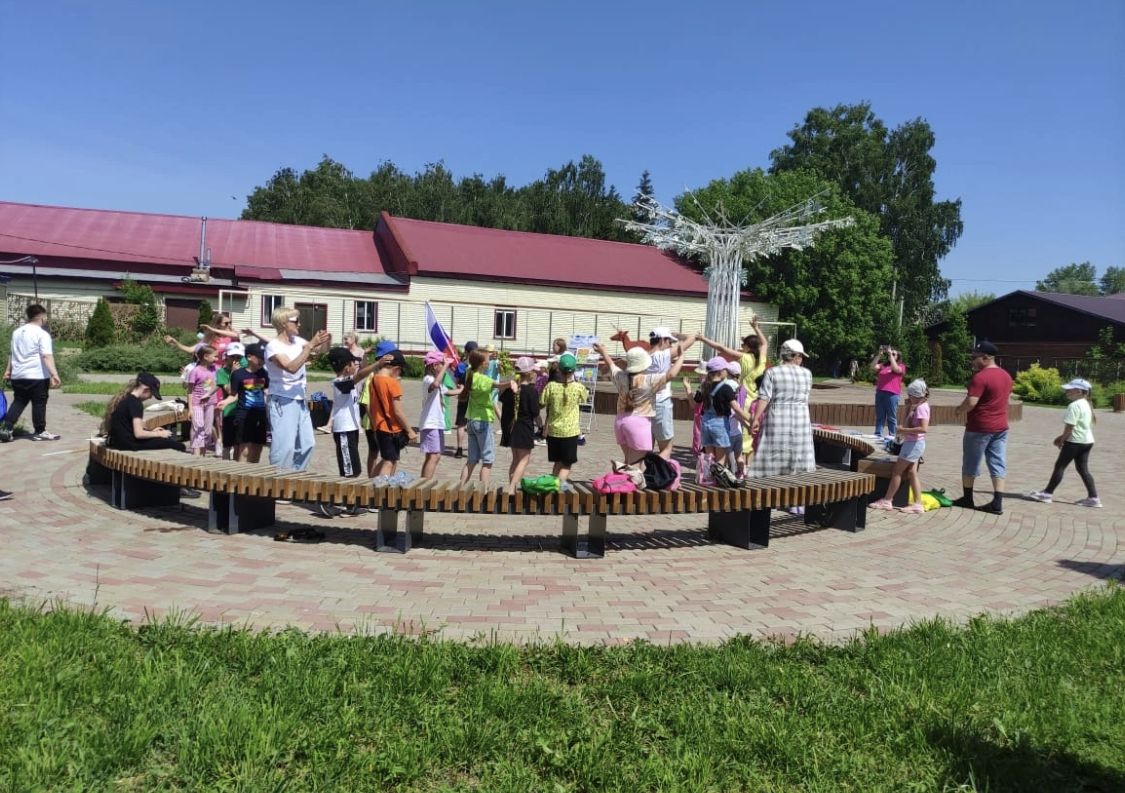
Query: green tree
<point x="206" y="313"/>
<point x="956" y="341"/>
<point x="1104" y="361"/>
<point x="837" y="291"/>
<point x="1073" y="279"/>
<point x="99" y="328"/>
<point x="967" y="301"/>
<point x="890" y="174"/>
<point x="644" y="190"/>
<point x="1113" y="281"/>
<point x="146" y="320"/>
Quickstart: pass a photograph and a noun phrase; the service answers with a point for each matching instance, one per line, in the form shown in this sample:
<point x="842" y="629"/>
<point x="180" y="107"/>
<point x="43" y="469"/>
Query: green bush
<point x="145" y="322"/>
<point x="1040" y="385"/>
<point x="132" y="359"/>
<point x="99" y="328"/>
<point x="206" y="313"/>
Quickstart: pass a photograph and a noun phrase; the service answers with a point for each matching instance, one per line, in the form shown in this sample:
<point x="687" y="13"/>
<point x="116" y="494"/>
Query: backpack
<point x="613" y="483"/>
<point x="540" y="484"/>
<point x="938" y="494"/>
<point x="723" y="477"/>
<point x="661" y="474"/>
<point x="636" y="473"/>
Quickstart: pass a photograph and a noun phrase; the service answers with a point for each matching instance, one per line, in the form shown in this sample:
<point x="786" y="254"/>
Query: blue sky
<point x="177" y="107"/>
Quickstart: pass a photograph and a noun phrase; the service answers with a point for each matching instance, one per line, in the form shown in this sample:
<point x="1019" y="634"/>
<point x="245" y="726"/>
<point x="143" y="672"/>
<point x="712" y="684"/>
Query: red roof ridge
<point x="555" y="237"/>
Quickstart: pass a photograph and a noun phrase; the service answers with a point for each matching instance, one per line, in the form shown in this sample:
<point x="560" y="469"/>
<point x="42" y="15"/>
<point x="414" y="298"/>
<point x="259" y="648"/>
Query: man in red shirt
<point x="986" y="427"/>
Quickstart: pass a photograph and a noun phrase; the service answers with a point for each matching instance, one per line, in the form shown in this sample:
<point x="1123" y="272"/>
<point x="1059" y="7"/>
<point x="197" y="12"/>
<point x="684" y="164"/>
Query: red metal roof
<point x="140" y="237"/>
<point x="450" y="250"/>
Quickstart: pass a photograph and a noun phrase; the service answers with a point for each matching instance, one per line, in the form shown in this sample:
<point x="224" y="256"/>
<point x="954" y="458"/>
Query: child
<point x="392" y="429"/>
<point x="519" y="410"/>
<point x="563" y="400"/>
<point x="719" y="398"/>
<point x="480" y="412"/>
<point x="344" y="419"/>
<point x="462" y="422"/>
<point x="202" y="390"/>
<point x="736" y="459"/>
<point x="232" y="361"/>
<point x="913" y="447"/>
<point x="1075" y="443"/>
<point x="636" y="393"/>
<point x="123" y="424"/>
<point x="249" y="387"/>
<point x="434" y="419"/>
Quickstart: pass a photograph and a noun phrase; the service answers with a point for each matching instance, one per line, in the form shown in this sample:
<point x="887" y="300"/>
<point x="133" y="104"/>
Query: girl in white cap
<point x="636" y="393"/>
<point x="913" y="431"/>
<point x="719" y="396"/>
<point x="1075" y="444"/>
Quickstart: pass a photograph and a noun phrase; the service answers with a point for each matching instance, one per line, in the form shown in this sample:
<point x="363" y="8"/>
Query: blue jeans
<point x="886" y="412"/>
<point x="481" y="445"/>
<point x="292" y="443"/>
<point x="992" y="445"/>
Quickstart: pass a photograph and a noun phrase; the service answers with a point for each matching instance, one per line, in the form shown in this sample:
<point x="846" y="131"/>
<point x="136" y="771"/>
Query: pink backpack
<point x="613" y="483"/>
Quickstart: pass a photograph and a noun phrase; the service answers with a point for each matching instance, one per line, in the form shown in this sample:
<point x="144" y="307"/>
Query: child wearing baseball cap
<point x="433" y="422"/>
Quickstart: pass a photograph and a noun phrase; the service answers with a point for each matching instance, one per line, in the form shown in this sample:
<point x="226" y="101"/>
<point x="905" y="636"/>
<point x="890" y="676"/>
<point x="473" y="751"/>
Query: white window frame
<point x="515" y="323"/>
<point x="274" y="301"/>
<point x="374" y="304"/>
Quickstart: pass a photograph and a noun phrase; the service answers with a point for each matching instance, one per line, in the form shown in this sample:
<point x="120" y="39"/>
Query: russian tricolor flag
<point x="438" y="335"/>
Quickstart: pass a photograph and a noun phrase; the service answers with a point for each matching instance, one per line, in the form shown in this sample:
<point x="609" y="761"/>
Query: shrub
<point x="146" y="320"/>
<point x="99" y="328"/>
<point x="956" y="341"/>
<point x="1040" y="385"/>
<point x="132" y="359"/>
<point x="206" y="314"/>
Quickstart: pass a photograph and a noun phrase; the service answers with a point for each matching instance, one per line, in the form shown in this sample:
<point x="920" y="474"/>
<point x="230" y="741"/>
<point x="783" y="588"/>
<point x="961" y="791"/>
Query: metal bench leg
<point x="414" y="521"/>
<point x="569" y="539"/>
<point x="388" y="539"/>
<point x="247" y="513"/>
<point x="749" y="529"/>
<point x="218" y="512"/>
<point x="593" y="547"/>
<point x="846" y="515"/>
<point x="98" y="474"/>
<point x="129" y="492"/>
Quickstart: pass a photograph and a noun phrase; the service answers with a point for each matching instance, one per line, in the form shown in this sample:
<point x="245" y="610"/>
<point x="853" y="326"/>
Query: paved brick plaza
<point x="504" y="577"/>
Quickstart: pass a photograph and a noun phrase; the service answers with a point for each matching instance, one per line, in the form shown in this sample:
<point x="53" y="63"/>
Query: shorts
<point x="715" y="431"/>
<point x="432" y="441"/>
<point x="482" y="448"/>
<point x="251" y="426"/>
<point x="372" y="443"/>
<point x="462" y="406"/>
<point x="734" y="429"/>
<point x="347" y="452"/>
<point x="912" y="450"/>
<point x="633" y="432"/>
<point x="993" y="445"/>
<point x="230" y="432"/>
<point x="390" y="445"/>
<point x="562" y="450"/>
<point x="662" y="428"/>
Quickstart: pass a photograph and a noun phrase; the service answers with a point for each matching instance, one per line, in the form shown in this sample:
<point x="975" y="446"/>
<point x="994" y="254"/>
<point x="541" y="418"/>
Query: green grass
<point x="88" y="703"/>
<point x="95" y="407"/>
<point x="168" y="389"/>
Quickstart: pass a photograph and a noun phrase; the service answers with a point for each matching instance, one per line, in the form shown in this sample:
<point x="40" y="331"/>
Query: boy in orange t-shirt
<point x="392" y="429"/>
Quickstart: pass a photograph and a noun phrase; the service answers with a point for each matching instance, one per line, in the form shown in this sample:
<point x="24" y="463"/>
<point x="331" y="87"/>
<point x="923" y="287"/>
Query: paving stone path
<point x="489" y="577"/>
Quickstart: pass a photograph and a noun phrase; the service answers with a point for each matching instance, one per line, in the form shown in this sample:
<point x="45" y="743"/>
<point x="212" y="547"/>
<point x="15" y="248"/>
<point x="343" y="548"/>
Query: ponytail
<point x="107" y="419"/>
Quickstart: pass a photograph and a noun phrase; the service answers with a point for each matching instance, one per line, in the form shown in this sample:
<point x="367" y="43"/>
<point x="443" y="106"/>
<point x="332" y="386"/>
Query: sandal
<point x="912" y="509"/>
<point x="882" y="503"/>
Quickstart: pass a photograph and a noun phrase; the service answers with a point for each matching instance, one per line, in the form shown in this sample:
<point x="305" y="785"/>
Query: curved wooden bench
<point x="243" y="496"/>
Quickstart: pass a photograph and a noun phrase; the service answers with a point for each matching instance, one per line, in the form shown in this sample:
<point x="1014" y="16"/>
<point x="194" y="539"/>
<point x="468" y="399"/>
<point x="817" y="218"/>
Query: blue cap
<point x="385" y="347"/>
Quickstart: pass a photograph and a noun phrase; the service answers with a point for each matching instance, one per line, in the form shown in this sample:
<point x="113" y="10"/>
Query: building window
<point x="1022" y="317"/>
<point x="504" y="326"/>
<point x="269" y="303"/>
<point x="366" y="315"/>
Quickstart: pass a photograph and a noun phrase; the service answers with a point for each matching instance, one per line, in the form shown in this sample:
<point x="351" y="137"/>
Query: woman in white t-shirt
<point x="636" y="393"/>
<point x="291" y="445"/>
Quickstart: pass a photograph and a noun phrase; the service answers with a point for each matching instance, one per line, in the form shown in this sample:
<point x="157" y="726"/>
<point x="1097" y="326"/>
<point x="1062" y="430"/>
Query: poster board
<point x="582" y="346"/>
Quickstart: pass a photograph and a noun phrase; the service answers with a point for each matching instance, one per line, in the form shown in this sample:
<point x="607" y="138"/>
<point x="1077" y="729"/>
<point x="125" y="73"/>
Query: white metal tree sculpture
<point x="724" y="246"/>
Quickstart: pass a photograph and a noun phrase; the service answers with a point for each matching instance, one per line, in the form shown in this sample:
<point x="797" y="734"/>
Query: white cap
<point x="795" y="346"/>
<point x="1078" y="384"/>
<point x="917" y="388"/>
<point x="233" y="349"/>
<point x="662" y="332"/>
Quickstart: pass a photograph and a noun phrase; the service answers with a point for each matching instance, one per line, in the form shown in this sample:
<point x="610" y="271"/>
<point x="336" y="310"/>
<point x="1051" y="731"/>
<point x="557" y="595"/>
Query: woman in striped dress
<point x="787" y="444"/>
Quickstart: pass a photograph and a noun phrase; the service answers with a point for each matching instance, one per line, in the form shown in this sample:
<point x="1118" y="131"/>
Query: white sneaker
<point x="1094" y="502"/>
<point x="1036" y="495"/>
<point x="45" y="436"/>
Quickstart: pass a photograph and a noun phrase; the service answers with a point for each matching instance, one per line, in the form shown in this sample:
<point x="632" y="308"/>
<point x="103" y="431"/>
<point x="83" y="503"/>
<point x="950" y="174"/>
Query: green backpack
<point x="540" y="484"/>
<point x="940" y="496"/>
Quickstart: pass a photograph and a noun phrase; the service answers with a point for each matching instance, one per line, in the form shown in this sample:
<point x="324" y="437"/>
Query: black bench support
<point x="234" y="513"/>
<point x="850" y="515"/>
<point x="388" y="538"/>
<point x="592" y="546"/>
<point x="746" y="528"/>
<point x="130" y="492"/>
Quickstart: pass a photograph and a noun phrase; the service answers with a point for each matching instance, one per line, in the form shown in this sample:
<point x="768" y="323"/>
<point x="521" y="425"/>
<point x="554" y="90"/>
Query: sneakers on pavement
<point x="1039" y="495"/>
<point x="5" y="434"/>
<point x="5" y="495"/>
<point x="1094" y="502"/>
<point x="45" y="436"/>
<point x="991" y="509"/>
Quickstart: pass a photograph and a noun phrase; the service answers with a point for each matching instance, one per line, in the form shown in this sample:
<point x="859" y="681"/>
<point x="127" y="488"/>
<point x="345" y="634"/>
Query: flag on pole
<point x="438" y="336"/>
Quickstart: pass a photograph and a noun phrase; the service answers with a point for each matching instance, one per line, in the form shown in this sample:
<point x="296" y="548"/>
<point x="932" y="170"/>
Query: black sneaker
<point x="5" y="434"/>
<point x="964" y="503"/>
<point x="459" y="454"/>
<point x="991" y="509"/>
<point x="5" y="495"/>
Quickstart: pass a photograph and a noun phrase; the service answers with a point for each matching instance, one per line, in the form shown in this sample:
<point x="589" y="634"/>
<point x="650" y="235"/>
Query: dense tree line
<point x="1081" y="279"/>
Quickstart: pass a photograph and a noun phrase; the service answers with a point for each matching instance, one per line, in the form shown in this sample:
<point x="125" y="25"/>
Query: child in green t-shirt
<point x="480" y="412"/>
<point x="563" y="402"/>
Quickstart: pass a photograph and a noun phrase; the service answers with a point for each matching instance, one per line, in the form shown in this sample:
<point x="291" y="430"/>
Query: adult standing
<point x="985" y="408"/>
<point x="31" y="369"/>
<point x="889" y="370"/>
<point x="290" y="424"/>
<point x="786" y="432"/>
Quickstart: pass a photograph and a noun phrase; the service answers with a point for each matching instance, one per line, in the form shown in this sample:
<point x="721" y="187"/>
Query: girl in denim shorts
<point x="913" y="431"/>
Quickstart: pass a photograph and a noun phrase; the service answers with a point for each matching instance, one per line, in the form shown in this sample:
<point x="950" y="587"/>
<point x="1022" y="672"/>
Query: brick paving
<point x="503" y="578"/>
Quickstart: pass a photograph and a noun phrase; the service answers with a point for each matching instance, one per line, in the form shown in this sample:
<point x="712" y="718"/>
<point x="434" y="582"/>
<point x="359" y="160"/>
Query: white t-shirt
<point x="661" y="363"/>
<point x="345" y="405"/>
<point x="433" y="409"/>
<point x="282" y="383"/>
<point x="29" y="344"/>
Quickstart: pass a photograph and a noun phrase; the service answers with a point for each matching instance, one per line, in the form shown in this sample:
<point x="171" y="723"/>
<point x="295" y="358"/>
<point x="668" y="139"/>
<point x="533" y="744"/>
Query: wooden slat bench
<point x="242" y="498"/>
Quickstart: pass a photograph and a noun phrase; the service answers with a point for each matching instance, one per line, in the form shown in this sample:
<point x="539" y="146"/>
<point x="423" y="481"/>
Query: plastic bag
<point x="540" y="484"/>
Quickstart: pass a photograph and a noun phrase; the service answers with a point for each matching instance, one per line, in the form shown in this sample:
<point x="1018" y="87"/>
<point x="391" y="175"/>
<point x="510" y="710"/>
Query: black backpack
<point x="659" y="473"/>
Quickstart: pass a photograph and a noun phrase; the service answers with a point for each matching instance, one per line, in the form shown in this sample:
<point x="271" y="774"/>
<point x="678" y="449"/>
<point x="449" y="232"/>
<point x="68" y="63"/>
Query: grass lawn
<point x="1032" y="704"/>
<point x="168" y="389"/>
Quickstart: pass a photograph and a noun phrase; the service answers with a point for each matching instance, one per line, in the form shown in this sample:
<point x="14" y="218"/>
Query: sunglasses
<point x="296" y="320"/>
